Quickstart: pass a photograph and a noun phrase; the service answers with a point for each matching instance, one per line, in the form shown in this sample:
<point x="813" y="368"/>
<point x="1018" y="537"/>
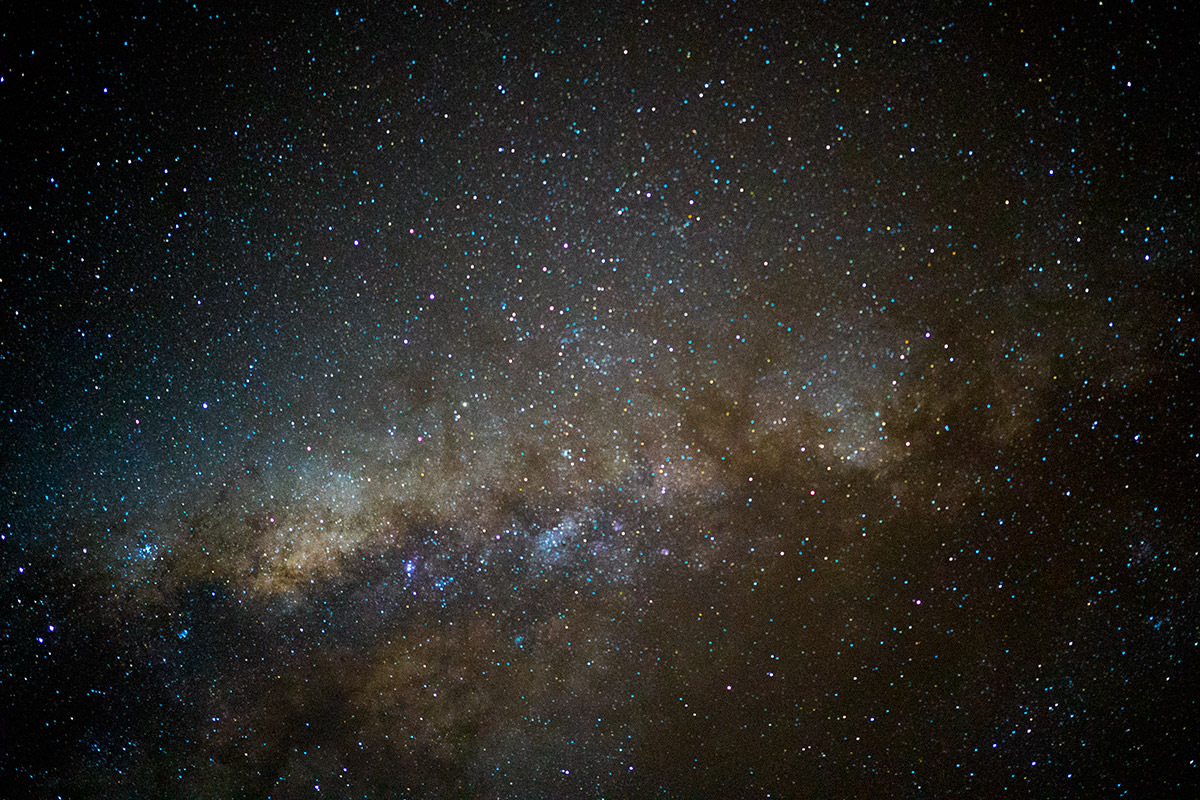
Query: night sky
<point x="599" y="400"/>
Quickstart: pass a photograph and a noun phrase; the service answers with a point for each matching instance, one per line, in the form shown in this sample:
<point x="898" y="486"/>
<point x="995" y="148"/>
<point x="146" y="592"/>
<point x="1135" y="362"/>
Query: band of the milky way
<point x="629" y="399"/>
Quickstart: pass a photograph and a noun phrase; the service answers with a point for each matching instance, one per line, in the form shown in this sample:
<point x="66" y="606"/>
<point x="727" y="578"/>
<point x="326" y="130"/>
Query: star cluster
<point x="558" y="400"/>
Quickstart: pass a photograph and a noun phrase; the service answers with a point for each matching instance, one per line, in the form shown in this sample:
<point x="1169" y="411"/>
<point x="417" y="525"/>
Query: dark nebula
<point x="627" y="399"/>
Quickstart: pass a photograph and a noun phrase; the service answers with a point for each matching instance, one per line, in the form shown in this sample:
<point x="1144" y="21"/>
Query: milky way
<point x="539" y="400"/>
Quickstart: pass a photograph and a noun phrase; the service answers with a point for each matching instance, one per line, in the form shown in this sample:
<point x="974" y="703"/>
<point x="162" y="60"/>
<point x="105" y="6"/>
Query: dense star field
<point x="599" y="400"/>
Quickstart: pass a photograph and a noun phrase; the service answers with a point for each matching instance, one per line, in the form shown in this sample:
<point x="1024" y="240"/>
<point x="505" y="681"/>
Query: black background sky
<point x="642" y="399"/>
